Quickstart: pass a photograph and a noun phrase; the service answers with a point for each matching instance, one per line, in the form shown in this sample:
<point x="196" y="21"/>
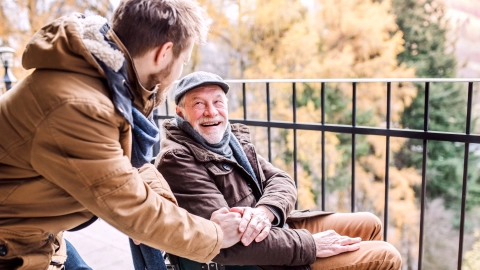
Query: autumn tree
<point x="22" y="18"/>
<point x="328" y="39"/>
<point x="428" y="50"/>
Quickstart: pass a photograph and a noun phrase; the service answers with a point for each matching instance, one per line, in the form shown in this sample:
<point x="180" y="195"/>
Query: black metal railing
<point x="388" y="132"/>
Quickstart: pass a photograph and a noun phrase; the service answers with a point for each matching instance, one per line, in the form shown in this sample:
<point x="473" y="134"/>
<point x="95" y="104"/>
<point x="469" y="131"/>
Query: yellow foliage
<point x="306" y="198"/>
<point x="472" y="257"/>
<point x="16" y="31"/>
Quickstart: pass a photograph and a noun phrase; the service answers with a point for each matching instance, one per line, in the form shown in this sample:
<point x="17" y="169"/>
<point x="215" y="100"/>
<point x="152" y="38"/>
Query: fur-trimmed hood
<point x="71" y="43"/>
<point x="68" y="44"/>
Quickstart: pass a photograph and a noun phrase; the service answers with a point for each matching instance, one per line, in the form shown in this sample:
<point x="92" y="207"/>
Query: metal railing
<point x="388" y="132"/>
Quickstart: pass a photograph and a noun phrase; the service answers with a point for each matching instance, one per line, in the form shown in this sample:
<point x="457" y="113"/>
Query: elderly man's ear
<point x="179" y="112"/>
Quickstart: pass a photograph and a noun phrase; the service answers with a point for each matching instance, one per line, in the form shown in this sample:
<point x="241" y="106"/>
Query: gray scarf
<point x="228" y="147"/>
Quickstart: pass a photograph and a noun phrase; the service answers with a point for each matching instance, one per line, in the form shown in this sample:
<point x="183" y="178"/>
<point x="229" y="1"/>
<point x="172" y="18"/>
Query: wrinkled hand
<point x="255" y="224"/>
<point x="228" y="222"/>
<point x="330" y="243"/>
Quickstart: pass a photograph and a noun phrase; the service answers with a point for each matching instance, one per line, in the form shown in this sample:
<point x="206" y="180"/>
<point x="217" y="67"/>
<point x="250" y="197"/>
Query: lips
<point x="210" y="124"/>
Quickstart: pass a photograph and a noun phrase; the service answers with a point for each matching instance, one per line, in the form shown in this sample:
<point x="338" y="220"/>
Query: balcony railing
<point x="426" y="135"/>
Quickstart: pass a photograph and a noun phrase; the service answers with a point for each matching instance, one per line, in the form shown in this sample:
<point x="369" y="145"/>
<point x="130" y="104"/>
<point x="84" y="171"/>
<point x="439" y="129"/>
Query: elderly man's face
<point x="206" y="109"/>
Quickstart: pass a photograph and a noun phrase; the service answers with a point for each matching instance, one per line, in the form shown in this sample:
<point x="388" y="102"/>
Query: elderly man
<point x="210" y="164"/>
<point x="76" y="134"/>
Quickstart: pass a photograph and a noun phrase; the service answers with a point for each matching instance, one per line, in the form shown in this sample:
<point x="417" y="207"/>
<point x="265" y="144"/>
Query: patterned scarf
<point x="145" y="134"/>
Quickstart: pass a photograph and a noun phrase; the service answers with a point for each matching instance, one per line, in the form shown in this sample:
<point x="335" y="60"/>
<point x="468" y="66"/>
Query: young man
<point x="71" y="131"/>
<point x="211" y="164"/>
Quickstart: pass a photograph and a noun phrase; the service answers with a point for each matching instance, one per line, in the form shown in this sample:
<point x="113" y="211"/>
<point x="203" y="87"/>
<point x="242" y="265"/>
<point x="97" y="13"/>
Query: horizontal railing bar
<point x="357" y="80"/>
<point x="404" y="133"/>
<point x="412" y="134"/>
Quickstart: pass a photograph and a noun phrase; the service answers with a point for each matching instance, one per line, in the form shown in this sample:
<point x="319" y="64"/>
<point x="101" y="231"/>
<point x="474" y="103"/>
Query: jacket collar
<point x="144" y="100"/>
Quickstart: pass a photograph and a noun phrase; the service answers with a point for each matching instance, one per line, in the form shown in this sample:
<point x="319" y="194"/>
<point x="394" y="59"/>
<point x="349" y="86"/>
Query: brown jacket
<point x="203" y="181"/>
<point x="64" y="155"/>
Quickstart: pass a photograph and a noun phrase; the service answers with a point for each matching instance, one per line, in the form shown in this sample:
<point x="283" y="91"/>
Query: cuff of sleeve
<point x="277" y="220"/>
<point x="218" y="245"/>
<point x="308" y="249"/>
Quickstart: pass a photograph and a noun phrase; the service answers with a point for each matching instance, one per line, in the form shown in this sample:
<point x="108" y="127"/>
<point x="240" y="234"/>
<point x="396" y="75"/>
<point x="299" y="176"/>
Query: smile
<point x="209" y="124"/>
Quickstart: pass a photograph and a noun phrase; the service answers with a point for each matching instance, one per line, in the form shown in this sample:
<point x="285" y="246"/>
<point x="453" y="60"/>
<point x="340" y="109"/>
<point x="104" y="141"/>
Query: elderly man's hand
<point x="330" y="243"/>
<point x="255" y="224"/>
<point x="228" y="222"/>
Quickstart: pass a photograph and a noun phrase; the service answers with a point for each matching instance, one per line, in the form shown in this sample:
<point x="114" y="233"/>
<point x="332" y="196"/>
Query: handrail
<point x="352" y="80"/>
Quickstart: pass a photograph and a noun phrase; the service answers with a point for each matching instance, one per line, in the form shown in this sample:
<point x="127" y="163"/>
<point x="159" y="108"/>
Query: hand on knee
<point x="330" y="243"/>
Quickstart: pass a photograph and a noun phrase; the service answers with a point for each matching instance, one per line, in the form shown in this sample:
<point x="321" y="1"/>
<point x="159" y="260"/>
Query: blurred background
<point x="315" y="39"/>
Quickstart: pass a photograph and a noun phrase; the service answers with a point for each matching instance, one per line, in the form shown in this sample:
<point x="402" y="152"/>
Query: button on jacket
<point x="203" y="181"/>
<point x="65" y="154"/>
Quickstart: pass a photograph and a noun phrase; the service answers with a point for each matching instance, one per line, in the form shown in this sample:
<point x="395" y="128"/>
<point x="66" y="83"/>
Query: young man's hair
<point x="145" y="24"/>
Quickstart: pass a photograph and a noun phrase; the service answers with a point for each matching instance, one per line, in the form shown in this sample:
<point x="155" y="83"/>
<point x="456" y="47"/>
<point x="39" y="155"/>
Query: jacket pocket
<point x="230" y="183"/>
<point x="18" y="243"/>
<point x="297" y="215"/>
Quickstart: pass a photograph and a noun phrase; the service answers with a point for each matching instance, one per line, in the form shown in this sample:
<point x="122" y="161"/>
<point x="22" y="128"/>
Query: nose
<point x="210" y="111"/>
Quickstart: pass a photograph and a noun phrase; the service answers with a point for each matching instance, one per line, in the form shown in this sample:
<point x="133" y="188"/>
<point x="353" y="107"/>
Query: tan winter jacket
<point x="64" y="155"/>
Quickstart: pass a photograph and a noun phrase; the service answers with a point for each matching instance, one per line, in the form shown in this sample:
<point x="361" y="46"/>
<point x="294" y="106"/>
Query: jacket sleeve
<point x="197" y="192"/>
<point x="77" y="148"/>
<point x="278" y="190"/>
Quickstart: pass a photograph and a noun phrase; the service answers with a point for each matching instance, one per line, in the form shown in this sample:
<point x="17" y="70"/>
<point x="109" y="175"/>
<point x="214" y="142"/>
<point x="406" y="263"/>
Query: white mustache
<point x="210" y="120"/>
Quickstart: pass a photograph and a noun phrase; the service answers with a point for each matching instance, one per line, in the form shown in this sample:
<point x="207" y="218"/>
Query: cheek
<point x="177" y="71"/>
<point x="193" y="117"/>
<point x="224" y="114"/>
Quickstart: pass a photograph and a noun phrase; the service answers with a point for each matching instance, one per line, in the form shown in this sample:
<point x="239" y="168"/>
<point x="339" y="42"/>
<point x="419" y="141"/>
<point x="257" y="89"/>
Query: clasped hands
<point x="248" y="224"/>
<point x="243" y="224"/>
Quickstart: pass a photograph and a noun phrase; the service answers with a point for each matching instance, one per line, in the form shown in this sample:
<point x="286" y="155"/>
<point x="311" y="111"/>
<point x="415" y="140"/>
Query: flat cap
<point x="196" y="79"/>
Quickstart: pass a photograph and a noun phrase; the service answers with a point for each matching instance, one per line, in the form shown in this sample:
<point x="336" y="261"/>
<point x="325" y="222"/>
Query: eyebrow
<point x="197" y="97"/>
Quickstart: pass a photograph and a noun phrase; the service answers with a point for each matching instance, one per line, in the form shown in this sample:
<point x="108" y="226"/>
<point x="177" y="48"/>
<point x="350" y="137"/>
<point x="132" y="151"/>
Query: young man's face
<point x="171" y="73"/>
<point x="206" y="109"/>
<point x="176" y="66"/>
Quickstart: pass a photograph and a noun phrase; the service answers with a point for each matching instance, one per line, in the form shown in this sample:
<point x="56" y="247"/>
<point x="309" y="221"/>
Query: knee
<point x="371" y="224"/>
<point x="380" y="255"/>
<point x="371" y="218"/>
<point x="393" y="259"/>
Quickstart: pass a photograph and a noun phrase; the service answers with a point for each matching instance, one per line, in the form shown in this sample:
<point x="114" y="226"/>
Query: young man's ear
<point x="164" y="55"/>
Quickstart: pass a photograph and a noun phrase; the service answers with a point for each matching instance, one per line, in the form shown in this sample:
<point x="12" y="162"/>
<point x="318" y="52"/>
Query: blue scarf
<point x="144" y="136"/>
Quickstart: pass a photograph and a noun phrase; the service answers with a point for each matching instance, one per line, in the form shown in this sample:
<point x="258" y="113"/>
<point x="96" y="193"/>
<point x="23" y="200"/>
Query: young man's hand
<point x="228" y="222"/>
<point x="255" y="224"/>
<point x="330" y="243"/>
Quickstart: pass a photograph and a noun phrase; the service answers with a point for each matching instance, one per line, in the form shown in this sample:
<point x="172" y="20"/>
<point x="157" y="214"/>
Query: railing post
<point x="269" y="132"/>
<point x="424" y="177"/>
<point x="244" y="93"/>
<point x="322" y="100"/>
<point x="294" y="106"/>
<point x="465" y="177"/>
<point x="354" y="123"/>
<point x="387" y="163"/>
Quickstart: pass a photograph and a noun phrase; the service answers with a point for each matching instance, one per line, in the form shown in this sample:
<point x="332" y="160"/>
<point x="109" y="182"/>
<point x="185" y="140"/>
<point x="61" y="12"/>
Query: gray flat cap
<point x="196" y="79"/>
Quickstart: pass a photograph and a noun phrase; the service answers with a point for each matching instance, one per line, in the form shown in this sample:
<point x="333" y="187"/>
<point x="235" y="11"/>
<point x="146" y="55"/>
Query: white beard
<point x="211" y="137"/>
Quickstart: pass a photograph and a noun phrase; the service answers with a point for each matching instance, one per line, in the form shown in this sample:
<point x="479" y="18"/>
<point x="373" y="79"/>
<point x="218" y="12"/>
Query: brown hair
<point x="145" y="24"/>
